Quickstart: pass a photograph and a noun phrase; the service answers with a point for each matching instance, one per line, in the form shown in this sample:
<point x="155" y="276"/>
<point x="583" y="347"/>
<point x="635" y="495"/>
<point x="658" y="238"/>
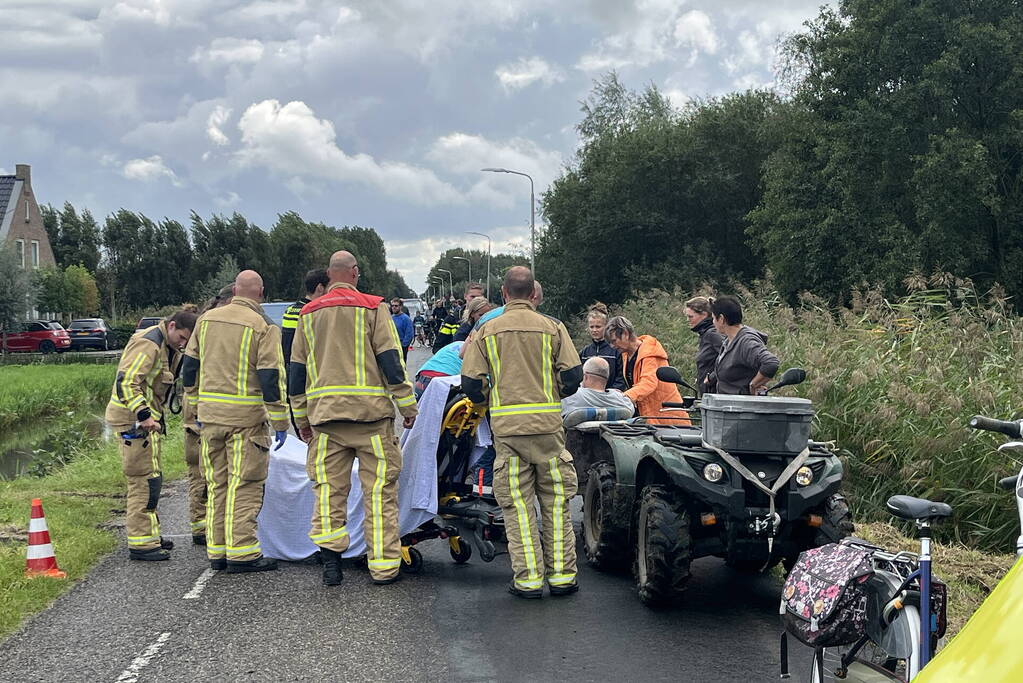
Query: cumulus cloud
<point x="291" y="140"/>
<point x="149" y="170"/>
<point x="695" y="30"/>
<point x="214" y="124"/>
<point x="525" y="72"/>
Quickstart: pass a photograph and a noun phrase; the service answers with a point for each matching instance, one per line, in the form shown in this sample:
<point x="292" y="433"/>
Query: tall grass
<point x="894" y="383"/>
<point x="32" y="391"/>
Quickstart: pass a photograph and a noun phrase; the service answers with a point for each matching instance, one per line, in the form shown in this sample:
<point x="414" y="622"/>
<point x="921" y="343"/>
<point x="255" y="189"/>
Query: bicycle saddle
<point x="908" y="507"/>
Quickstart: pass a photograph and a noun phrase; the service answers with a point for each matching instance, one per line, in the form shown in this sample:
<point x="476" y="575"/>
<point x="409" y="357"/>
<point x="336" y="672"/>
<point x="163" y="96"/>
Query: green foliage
<point x="225" y="275"/>
<point x="71" y="292"/>
<point x="75" y="239"/>
<point x="16" y="291"/>
<point x="499" y="264"/>
<point x="30" y="392"/>
<point x="894" y="382"/>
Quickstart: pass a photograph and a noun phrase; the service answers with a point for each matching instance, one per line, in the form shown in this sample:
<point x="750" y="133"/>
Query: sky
<point x="377" y="113"/>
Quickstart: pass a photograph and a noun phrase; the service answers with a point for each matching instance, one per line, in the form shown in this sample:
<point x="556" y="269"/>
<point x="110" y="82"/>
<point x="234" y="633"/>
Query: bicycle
<point x="898" y="644"/>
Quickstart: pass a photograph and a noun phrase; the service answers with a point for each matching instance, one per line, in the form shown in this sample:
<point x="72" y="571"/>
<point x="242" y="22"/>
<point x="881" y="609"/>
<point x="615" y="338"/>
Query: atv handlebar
<point x="687" y="403"/>
<point x="992" y="425"/>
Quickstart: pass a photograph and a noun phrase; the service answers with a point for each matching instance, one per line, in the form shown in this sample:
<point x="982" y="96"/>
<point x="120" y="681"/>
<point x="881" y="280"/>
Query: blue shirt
<point x="446" y="360"/>
<point x="489" y="316"/>
<point x="405" y="331"/>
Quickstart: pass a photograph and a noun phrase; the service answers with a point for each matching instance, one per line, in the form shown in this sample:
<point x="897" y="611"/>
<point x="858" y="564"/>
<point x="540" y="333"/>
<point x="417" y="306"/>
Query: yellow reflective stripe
<point x="198" y="526"/>
<point x="525" y="531"/>
<point x="310" y="342"/>
<point x="378" y="498"/>
<point x="154" y="451"/>
<point x="548" y="374"/>
<point x="385" y="563"/>
<point x="278" y="414"/>
<point x="193" y="399"/>
<point x="230" y="398"/>
<point x="234" y="480"/>
<point x="202" y="353"/>
<point x="530" y="584"/>
<point x="142" y="540"/>
<point x="245" y="550"/>
<point x="321" y="538"/>
<point x="560" y="579"/>
<point x="559" y="516"/>
<point x="526" y="408"/>
<point x="322" y="482"/>
<point x="495" y="371"/>
<point x="300" y="412"/>
<point x="211" y="488"/>
<point x="126" y="390"/>
<point x="407" y="401"/>
<point x="347" y="390"/>
<point x="360" y="348"/>
<point x="243" y="362"/>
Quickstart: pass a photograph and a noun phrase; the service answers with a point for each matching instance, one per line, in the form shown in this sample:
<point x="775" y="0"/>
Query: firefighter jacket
<point x="346" y="363"/>
<point x="145" y="377"/>
<point x="288" y="325"/>
<point x="529" y="364"/>
<point x="234" y="356"/>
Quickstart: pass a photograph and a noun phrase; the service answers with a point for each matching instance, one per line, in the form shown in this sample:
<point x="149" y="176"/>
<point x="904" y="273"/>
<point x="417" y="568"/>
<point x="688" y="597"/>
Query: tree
<point x="83" y="292"/>
<point x="70" y="292"/>
<point x="51" y="290"/>
<point x="16" y="292"/>
<point x="226" y="274"/>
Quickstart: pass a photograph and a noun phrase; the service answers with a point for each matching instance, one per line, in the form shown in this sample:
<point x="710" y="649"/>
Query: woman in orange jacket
<point x="641" y="356"/>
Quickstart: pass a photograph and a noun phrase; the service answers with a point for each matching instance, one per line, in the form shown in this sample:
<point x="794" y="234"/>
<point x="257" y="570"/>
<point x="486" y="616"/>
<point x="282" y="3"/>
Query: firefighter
<point x="346" y="369"/>
<point x="193" y="442"/>
<point x="234" y="358"/>
<point x="315" y="287"/>
<point x="144" y="382"/>
<point x="529" y="363"/>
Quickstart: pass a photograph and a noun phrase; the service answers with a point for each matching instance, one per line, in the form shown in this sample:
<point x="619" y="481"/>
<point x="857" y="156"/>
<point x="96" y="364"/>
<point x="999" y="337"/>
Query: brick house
<point x="21" y="224"/>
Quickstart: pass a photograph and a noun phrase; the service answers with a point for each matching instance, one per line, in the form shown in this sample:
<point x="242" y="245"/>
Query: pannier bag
<point x="824" y="599"/>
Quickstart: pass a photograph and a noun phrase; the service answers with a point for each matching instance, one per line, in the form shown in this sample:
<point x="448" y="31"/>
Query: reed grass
<point x="28" y="392"/>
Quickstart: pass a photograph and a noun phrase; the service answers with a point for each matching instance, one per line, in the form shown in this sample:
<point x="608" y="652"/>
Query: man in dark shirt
<point x="315" y="286"/>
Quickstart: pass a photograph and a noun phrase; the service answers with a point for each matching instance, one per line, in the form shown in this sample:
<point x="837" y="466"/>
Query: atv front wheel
<point x="662" y="547"/>
<point x="605" y="534"/>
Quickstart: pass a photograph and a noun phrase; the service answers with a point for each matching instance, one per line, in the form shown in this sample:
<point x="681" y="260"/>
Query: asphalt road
<point x="172" y="621"/>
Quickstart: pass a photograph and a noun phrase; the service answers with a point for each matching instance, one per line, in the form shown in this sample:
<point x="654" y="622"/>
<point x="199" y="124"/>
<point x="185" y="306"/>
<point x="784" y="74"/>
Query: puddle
<point x="42" y="440"/>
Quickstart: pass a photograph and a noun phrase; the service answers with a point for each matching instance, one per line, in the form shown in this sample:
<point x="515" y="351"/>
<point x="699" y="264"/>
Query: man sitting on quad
<point x="593" y="400"/>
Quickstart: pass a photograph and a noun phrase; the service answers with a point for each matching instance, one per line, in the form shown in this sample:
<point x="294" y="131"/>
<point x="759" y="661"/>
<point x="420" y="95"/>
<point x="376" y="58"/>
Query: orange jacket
<point x="648" y="392"/>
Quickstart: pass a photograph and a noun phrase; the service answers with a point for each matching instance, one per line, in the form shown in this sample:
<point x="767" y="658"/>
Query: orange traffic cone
<point x="40" y="560"/>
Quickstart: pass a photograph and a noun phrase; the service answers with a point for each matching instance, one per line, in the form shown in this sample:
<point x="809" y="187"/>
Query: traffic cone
<point x="40" y="560"/>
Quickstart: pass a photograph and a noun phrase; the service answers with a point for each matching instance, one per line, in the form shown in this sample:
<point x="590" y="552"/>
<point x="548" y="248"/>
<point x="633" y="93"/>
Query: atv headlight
<point x="712" y="472"/>
<point x="804" y="476"/>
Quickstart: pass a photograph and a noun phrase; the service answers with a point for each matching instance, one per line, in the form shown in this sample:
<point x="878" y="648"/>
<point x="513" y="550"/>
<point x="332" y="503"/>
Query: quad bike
<point x="748" y="486"/>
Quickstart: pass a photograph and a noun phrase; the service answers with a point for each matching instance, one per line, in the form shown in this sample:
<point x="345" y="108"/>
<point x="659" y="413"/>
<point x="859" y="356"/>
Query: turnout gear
<point x="446" y="331"/>
<point x="345" y="377"/>
<point x="193" y="458"/>
<point x="144" y="381"/>
<point x="288" y="326"/>
<point x="525" y="361"/>
<point x="234" y="360"/>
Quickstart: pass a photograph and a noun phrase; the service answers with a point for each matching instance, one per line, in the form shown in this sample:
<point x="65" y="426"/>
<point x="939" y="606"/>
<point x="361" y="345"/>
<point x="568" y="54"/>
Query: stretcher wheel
<point x="414" y="563"/>
<point x="464" y="552"/>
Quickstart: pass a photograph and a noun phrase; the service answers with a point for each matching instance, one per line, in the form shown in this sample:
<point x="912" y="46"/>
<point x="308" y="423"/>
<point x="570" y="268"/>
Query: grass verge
<point x="77" y="500"/>
<point x="31" y="391"/>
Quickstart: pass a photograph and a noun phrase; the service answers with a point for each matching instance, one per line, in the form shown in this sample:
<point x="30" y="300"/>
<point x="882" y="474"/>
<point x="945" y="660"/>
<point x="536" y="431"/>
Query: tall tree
<point x="16" y="291"/>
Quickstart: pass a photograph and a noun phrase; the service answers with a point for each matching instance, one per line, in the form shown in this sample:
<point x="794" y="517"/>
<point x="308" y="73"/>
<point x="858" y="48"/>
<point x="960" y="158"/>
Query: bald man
<point x="235" y="360"/>
<point x="346" y="376"/>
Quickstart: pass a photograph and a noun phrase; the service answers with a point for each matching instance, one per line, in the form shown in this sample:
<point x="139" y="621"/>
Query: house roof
<point x="9" y="186"/>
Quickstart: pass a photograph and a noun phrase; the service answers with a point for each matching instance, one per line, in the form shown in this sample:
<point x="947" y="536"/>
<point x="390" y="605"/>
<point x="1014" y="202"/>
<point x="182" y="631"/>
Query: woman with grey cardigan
<point x="698" y="315"/>
<point x="744" y="365"/>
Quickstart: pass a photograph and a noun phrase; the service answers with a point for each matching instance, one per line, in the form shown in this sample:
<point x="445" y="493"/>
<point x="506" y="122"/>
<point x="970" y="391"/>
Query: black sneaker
<point x="199" y="539"/>
<point x="263" y="564"/>
<point x="154" y="555"/>
<point x="566" y="589"/>
<point x="332" y="575"/>
<point x="386" y="582"/>
<point x="165" y="544"/>
<point x="218" y="565"/>
<point x="522" y="593"/>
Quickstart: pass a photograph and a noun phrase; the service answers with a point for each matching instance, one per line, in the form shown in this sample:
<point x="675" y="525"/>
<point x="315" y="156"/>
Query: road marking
<point x="131" y="674"/>
<point x="200" y="585"/>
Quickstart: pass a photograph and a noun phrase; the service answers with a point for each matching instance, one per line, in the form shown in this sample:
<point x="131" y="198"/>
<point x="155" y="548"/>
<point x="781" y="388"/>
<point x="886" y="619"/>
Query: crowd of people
<point x="335" y="372"/>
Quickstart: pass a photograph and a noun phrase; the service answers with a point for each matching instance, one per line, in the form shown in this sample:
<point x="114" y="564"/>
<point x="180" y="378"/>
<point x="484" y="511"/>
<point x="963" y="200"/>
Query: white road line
<point x="131" y="674"/>
<point x="200" y="585"/>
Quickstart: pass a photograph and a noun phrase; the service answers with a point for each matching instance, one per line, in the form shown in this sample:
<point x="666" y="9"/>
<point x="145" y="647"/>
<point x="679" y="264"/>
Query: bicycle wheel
<point x="873" y="662"/>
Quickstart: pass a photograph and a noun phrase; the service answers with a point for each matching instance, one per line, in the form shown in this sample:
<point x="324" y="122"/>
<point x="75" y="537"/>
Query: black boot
<point x="165" y="544"/>
<point x="332" y="575"/>
<point x="263" y="564"/>
<point x="218" y="565"/>
<point x="154" y="555"/>
<point x="198" y="539"/>
<point x="528" y="593"/>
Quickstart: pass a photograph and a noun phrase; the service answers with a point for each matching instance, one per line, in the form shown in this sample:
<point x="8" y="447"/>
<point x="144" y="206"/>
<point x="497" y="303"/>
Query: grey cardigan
<point x="740" y="360"/>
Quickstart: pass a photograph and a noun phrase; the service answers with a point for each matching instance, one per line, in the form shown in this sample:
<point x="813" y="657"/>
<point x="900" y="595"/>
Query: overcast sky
<point x="372" y="113"/>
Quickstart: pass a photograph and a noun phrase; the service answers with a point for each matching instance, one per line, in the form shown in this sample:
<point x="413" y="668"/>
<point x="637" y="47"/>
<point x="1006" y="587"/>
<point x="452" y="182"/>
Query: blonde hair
<point x="619" y="327"/>
<point x="700" y="304"/>
<point x="597" y="310"/>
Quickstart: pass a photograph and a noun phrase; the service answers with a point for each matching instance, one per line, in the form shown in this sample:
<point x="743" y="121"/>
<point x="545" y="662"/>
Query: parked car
<point x="275" y="310"/>
<point x="148" y="321"/>
<point x="89" y="333"/>
<point x="38" y="336"/>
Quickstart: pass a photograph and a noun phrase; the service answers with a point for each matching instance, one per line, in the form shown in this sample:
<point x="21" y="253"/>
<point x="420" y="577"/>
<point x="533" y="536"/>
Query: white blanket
<point x="284" y="520"/>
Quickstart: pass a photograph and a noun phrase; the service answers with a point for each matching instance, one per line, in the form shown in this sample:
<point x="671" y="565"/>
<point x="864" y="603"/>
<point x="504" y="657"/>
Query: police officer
<point x="235" y="359"/>
<point x="345" y="377"/>
<point x="528" y="363"/>
<point x="144" y="382"/>
<point x="315" y="286"/>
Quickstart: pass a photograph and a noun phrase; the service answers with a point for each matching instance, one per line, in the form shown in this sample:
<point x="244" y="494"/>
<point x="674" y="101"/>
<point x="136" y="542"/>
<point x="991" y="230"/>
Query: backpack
<point x="824" y="599"/>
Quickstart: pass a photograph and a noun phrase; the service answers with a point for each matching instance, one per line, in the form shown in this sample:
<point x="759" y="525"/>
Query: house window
<point x="35" y="253"/>
<point x="19" y="251"/>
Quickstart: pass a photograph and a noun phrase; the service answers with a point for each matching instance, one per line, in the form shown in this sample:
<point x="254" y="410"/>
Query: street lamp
<point x="451" y="283"/>
<point x="470" y="232"/>
<point x="468" y="264"/>
<point x="440" y="283"/>
<point x="532" y="213"/>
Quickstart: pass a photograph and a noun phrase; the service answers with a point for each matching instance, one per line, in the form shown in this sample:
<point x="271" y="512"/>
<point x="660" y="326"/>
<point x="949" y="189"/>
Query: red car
<point x="39" y="335"/>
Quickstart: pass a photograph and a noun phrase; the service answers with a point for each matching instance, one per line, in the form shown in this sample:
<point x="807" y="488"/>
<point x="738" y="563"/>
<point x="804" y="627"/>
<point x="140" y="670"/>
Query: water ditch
<point x="45" y="444"/>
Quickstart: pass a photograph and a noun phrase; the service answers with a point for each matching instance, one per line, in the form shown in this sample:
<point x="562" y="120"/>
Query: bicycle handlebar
<point x="992" y="425"/>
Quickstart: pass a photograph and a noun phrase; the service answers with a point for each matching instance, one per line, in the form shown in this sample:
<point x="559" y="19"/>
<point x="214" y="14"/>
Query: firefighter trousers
<point x="196" y="481"/>
<point x="332" y="452"/>
<point x="140" y="461"/>
<point x="235" y="461"/>
<point x="527" y="470"/>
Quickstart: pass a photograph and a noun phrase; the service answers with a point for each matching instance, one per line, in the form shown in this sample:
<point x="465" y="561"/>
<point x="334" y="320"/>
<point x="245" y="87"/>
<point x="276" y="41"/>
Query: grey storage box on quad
<point x="756" y="424"/>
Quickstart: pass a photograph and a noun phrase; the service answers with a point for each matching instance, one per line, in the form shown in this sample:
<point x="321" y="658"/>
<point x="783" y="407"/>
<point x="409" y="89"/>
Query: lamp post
<point x="532" y="213"/>
<point x="440" y="285"/>
<point x="470" y="232"/>
<point x="451" y="283"/>
<point x="468" y="264"/>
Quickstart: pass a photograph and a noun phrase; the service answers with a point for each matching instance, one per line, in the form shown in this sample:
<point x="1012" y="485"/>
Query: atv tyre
<point x="836" y="524"/>
<point x="605" y="529"/>
<point x="662" y="547"/>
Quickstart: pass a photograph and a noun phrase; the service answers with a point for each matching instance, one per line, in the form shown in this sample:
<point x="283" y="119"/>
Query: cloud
<point x="644" y="36"/>
<point x="695" y="30"/>
<point x="414" y="258"/>
<point x="149" y="170"/>
<point x="291" y="140"/>
<point x="216" y="120"/>
<point x="228" y="200"/>
<point x="525" y="72"/>
<point x="229" y="51"/>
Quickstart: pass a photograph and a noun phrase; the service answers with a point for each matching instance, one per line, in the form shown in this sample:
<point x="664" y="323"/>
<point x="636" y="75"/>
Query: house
<point x="21" y="224"/>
